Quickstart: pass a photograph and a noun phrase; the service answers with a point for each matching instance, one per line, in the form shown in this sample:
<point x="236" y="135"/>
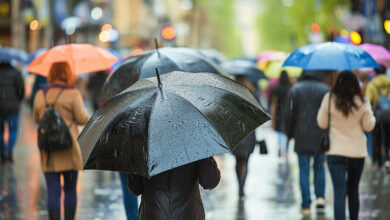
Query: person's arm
<point x="288" y="114"/>
<point x="19" y="85"/>
<point x="368" y="119"/>
<point x="209" y="174"/>
<point x="37" y="105"/>
<point x="80" y="113"/>
<point x="322" y="115"/>
<point x="134" y="184"/>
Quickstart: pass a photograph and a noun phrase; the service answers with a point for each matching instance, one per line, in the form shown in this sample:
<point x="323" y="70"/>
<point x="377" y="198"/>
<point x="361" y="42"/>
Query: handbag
<point x="263" y="147"/>
<point x="325" y="141"/>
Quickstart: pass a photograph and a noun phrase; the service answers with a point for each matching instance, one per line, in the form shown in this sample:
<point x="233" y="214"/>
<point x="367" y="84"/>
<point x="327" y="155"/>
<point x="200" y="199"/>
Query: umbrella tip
<point x="158" y="78"/>
<point x="156" y="45"/>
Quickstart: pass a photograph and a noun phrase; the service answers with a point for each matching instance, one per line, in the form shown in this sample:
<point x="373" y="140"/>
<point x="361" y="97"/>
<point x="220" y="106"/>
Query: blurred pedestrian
<point x="174" y="194"/>
<point x="94" y="86"/>
<point x="300" y="113"/>
<point x="377" y="87"/>
<point x="245" y="148"/>
<point x="11" y="95"/>
<point x="277" y="101"/>
<point x="68" y="102"/>
<point x="39" y="82"/>
<point x="350" y="115"/>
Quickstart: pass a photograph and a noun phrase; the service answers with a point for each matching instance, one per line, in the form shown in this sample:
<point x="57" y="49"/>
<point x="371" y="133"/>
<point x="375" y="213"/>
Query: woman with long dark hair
<point x="350" y="115"/>
<point x="277" y="101"/>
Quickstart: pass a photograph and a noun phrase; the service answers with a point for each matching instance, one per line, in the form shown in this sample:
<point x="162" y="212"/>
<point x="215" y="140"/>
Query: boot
<point x="54" y="215"/>
<point x="2" y="158"/>
<point x="9" y="158"/>
<point x="70" y="214"/>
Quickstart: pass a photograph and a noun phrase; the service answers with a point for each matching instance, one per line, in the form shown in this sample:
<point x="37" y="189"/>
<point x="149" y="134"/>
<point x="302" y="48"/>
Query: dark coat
<point x="246" y="146"/>
<point x="174" y="194"/>
<point x="300" y="115"/>
<point x="11" y="89"/>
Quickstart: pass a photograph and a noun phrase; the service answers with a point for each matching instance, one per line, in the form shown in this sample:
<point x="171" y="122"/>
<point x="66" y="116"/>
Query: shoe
<point x="54" y="215"/>
<point x="9" y="158"/>
<point x="70" y="214"/>
<point x="2" y="158"/>
<point x="305" y="211"/>
<point x="320" y="203"/>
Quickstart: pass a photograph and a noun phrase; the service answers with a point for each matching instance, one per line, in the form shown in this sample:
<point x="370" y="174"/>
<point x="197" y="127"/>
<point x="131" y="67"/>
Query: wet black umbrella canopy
<point x="156" y="125"/>
<point x="166" y="59"/>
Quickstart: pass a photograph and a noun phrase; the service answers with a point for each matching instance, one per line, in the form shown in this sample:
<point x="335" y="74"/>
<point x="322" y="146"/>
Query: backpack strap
<point x="55" y="100"/>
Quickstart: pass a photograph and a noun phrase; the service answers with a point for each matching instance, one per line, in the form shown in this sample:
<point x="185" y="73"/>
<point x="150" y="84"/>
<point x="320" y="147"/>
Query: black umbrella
<point x="213" y="54"/>
<point x="243" y="67"/>
<point x="166" y="59"/>
<point x="152" y="127"/>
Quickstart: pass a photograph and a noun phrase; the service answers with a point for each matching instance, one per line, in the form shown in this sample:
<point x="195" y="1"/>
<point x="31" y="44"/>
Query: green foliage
<point x="222" y="15"/>
<point x="285" y="28"/>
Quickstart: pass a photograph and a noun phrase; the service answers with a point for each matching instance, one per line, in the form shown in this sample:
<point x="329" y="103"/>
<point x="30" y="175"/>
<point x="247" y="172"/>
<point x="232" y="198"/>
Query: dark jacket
<point x="11" y="89"/>
<point x="246" y="146"/>
<point x="300" y="115"/>
<point x="174" y="194"/>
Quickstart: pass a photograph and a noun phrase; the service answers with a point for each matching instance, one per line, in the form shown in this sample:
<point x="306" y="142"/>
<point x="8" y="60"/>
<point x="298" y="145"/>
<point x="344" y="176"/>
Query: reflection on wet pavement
<point x="272" y="190"/>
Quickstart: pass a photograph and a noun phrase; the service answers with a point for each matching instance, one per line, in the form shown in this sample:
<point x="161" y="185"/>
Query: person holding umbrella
<point x="175" y="194"/>
<point x="67" y="101"/>
<point x="11" y="95"/>
<point x="163" y="131"/>
<point x="300" y="112"/>
<point x="350" y="114"/>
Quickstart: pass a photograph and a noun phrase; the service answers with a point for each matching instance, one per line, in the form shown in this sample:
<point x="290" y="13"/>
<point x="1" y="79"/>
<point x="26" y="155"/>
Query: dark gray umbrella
<point x="243" y="67"/>
<point x="152" y="127"/>
<point x="166" y="59"/>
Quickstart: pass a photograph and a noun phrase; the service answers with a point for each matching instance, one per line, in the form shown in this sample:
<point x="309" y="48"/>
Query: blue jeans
<point x="12" y="121"/>
<point x="304" y="177"/>
<point x="129" y="200"/>
<point x="345" y="173"/>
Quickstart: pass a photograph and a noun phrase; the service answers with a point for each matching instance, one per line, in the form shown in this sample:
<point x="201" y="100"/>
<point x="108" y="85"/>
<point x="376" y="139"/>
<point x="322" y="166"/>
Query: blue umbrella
<point x="8" y="55"/>
<point x="330" y="56"/>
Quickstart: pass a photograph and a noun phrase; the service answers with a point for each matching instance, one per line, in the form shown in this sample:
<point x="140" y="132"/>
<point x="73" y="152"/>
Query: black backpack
<point x="53" y="133"/>
<point x="382" y="107"/>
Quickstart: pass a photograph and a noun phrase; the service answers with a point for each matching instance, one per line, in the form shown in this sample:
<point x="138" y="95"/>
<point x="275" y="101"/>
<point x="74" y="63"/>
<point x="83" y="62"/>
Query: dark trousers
<point x="53" y="185"/>
<point x="345" y="173"/>
<point x="12" y="121"/>
<point x="380" y="135"/>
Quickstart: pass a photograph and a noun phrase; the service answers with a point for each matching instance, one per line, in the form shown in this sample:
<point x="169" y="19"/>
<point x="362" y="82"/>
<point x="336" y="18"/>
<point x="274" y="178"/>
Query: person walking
<point x="350" y="116"/>
<point x="300" y="113"/>
<point x="174" y="194"/>
<point x="67" y="101"/>
<point x="377" y="87"/>
<point x="245" y="148"/>
<point x="277" y="101"/>
<point x="11" y="95"/>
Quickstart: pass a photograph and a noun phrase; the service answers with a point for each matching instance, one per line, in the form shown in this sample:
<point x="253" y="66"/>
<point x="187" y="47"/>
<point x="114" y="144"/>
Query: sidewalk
<point x="272" y="190"/>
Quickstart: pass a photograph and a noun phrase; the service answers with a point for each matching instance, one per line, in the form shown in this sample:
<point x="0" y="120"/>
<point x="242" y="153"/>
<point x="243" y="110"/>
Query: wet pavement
<point x="272" y="190"/>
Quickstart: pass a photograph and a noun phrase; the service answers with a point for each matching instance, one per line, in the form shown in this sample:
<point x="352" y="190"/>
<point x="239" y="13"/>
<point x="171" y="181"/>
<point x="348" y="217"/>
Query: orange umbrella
<point x="82" y="58"/>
